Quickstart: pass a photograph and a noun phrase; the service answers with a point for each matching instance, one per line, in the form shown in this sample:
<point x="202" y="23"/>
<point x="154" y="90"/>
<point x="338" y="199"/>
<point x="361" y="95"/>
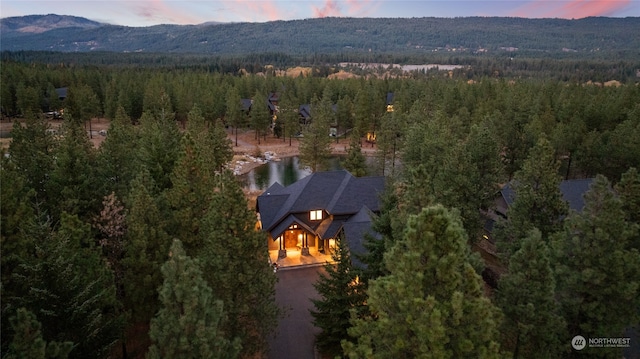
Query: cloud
<point x="574" y="9"/>
<point x="354" y="8"/>
<point x="330" y="8"/>
<point x="160" y="11"/>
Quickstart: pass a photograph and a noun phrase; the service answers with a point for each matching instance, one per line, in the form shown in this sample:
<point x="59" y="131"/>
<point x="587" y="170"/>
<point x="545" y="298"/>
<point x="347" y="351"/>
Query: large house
<point x="318" y="209"/>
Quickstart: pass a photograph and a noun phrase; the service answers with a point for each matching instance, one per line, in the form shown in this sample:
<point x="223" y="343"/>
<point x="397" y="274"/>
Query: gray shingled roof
<point x="338" y="193"/>
<point x="355" y="230"/>
<point x="572" y="192"/>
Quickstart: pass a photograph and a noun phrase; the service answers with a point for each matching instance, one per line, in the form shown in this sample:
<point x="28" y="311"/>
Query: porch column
<point x="305" y="245"/>
<point x="282" y="252"/>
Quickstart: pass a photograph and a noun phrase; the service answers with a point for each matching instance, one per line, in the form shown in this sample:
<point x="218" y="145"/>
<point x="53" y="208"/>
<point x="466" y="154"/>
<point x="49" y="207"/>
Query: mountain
<point x="37" y="24"/>
<point x="597" y="37"/>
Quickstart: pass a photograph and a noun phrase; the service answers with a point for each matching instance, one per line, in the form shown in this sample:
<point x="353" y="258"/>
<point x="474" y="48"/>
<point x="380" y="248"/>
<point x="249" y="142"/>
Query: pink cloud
<point x="353" y="8"/>
<point x="583" y="8"/>
<point x="330" y="8"/>
<point x="574" y="9"/>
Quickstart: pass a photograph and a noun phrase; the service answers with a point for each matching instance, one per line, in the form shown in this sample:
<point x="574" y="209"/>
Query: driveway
<point x="295" y="334"/>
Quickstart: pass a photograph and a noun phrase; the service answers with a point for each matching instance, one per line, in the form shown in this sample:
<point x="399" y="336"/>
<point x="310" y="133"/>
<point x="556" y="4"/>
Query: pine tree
<point x="159" y="139"/>
<point x="189" y="322"/>
<point x="538" y="201"/>
<point x="315" y="146"/>
<point x="260" y="117"/>
<point x="431" y="305"/>
<point x="66" y="284"/>
<point x="341" y="291"/>
<point x="31" y="149"/>
<point x="595" y="266"/>
<point x="190" y="192"/>
<point x="235" y="262"/>
<point x="146" y="247"/>
<point x="73" y="179"/>
<point x="27" y="339"/>
<point x="355" y="162"/>
<point x="116" y="160"/>
<point x="533" y="321"/>
<point x="628" y="190"/>
<point x="233" y="114"/>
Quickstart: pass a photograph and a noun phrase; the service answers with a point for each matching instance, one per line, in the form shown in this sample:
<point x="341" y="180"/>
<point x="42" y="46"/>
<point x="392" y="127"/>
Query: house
<point x="390" y="101"/>
<point x="317" y="210"/>
<point x="572" y="192"/>
<point x="304" y="113"/>
<point x="272" y="105"/>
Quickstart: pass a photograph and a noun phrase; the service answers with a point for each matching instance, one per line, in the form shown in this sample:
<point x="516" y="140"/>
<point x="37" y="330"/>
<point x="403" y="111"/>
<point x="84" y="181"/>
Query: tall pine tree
<point x="341" y="291"/>
<point x="189" y="322"/>
<point x="235" y="263"/>
<point x="431" y="305"/>
<point x="533" y="326"/>
<point x="597" y="269"/>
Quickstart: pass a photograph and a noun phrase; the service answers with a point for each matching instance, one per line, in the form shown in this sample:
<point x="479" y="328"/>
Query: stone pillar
<point x="304" y="251"/>
<point x="282" y="253"/>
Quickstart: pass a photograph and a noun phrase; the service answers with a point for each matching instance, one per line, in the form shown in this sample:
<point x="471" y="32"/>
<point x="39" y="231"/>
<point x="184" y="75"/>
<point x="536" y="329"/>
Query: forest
<point x="146" y="245"/>
<point x="588" y="38"/>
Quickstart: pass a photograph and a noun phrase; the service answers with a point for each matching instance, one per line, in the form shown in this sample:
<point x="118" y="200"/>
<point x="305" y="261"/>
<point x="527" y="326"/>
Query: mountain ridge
<point x="596" y="36"/>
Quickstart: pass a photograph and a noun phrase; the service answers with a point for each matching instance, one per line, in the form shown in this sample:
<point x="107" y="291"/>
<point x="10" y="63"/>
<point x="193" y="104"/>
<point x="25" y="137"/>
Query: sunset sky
<point x="153" y="12"/>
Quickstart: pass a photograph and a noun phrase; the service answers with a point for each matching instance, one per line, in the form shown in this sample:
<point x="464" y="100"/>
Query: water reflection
<point x="286" y="171"/>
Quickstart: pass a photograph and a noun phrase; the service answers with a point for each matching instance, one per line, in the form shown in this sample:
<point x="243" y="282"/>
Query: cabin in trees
<point x="572" y="192"/>
<point x="272" y="105"/>
<point x="319" y="209"/>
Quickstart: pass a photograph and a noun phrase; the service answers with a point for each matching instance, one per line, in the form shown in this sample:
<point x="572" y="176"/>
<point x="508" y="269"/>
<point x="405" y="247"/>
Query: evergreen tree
<point x="538" y="201"/>
<point x="595" y="266"/>
<point x="189" y="322"/>
<point x="341" y="291"/>
<point x="533" y="325"/>
<point x="260" y="117"/>
<point x="355" y="162"/>
<point x="159" y="141"/>
<point x="218" y="151"/>
<point x="235" y="262"/>
<point x="116" y="160"/>
<point x="628" y="190"/>
<point x="31" y="149"/>
<point x="315" y="146"/>
<point x="146" y="246"/>
<point x="431" y="305"/>
<point x="27" y="339"/>
<point x="190" y="192"/>
<point x="233" y="114"/>
<point x="66" y="284"/>
<point x="73" y="179"/>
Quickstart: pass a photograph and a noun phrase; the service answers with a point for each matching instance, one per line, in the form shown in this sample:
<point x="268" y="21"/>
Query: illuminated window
<point x="316" y="215"/>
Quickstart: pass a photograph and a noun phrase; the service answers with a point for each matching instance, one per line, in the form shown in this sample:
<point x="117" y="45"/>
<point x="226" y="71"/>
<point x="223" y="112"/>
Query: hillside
<point x="37" y="24"/>
<point x="590" y="37"/>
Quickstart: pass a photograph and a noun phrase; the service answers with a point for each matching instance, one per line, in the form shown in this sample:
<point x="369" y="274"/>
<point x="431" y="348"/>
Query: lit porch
<point x="295" y="258"/>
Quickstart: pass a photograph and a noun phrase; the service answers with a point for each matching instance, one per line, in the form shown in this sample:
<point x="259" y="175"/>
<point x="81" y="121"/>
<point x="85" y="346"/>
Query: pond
<point x="286" y="171"/>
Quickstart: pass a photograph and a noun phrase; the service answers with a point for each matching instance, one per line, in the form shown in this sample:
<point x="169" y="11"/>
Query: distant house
<point x="390" y="101"/>
<point x="62" y="93"/>
<point x="271" y="103"/>
<point x="304" y="111"/>
<point x="318" y="209"/>
<point x="572" y="192"/>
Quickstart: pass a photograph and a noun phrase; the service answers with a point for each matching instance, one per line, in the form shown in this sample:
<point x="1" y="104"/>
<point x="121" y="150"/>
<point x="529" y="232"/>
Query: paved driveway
<point x="295" y="334"/>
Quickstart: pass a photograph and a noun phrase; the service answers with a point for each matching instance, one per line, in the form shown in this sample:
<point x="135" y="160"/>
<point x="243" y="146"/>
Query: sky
<point x="154" y="12"/>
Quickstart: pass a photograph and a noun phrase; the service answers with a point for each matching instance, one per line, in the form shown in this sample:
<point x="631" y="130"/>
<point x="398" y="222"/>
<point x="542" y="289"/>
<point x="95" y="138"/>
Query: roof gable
<point x="336" y="192"/>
